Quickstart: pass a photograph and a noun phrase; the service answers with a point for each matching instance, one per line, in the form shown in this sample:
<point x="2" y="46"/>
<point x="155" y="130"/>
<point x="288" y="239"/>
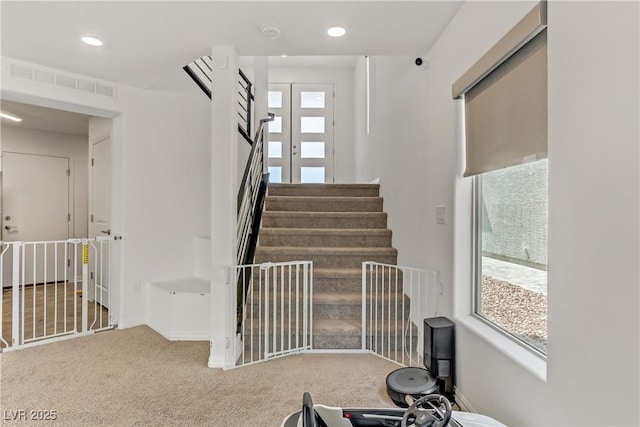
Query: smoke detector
<point x="271" y="31"/>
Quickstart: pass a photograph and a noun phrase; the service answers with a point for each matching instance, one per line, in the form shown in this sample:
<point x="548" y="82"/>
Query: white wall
<point x="593" y="209"/>
<point x="161" y="184"/>
<point x="164" y="167"/>
<point x="415" y="174"/>
<point x="594" y="152"/>
<point x="23" y="140"/>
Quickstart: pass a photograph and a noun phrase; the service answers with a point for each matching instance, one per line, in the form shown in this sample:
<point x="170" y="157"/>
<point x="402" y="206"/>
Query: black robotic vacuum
<point x="415" y="382"/>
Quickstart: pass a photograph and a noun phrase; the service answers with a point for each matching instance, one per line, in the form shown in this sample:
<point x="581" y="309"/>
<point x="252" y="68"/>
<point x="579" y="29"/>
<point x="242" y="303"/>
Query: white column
<point x="224" y="188"/>
<point x="261" y="97"/>
<point x="261" y="87"/>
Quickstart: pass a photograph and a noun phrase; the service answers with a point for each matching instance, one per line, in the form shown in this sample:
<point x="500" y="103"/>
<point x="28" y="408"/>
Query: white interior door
<point x="35" y="198"/>
<point x="100" y="219"/>
<point x="301" y="145"/>
<point x="279" y="145"/>
<point x="312" y="133"/>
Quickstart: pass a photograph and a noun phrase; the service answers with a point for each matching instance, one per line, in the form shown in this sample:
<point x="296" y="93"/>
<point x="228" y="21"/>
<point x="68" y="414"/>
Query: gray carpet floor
<point x="135" y="377"/>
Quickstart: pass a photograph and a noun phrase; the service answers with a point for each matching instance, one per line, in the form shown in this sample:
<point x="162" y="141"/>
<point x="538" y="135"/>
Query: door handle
<point x="11" y="227"/>
<point x="107" y="232"/>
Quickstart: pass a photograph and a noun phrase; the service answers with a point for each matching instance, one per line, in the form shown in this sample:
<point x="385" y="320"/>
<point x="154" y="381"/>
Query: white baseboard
<point x="216" y="362"/>
<point x="132" y="324"/>
<point x="179" y="335"/>
<point x="463" y="402"/>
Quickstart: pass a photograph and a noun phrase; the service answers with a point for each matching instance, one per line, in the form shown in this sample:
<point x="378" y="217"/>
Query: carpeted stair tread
<point x="352" y="327"/>
<point x="326" y="237"/>
<point x="324" y="250"/>
<point x="324" y="190"/>
<point x="337" y="280"/>
<point x="330" y="231"/>
<point x="332" y="298"/>
<point x="327" y="298"/>
<point x="327" y="257"/>
<point x="328" y="220"/>
<point x="323" y="204"/>
<point x="342" y="273"/>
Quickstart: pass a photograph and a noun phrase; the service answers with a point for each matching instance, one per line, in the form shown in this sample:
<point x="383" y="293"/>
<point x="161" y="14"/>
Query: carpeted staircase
<point x="337" y="226"/>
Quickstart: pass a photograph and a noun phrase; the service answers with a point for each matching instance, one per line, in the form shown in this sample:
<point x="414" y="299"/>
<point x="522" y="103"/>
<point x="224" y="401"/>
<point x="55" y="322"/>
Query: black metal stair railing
<point x="201" y="71"/>
<point x="245" y="102"/>
<point x="251" y="197"/>
<point x="250" y="202"/>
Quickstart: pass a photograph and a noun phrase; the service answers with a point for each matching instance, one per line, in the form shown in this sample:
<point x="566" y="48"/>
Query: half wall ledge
<point x="180" y="310"/>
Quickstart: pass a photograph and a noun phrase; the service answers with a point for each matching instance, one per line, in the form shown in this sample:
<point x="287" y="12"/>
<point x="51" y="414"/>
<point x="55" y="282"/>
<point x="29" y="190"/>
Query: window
<point x="505" y="118"/>
<point x="511" y="251"/>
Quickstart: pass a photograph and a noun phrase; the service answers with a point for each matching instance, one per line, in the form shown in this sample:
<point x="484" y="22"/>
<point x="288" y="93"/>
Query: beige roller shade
<point x="506" y="112"/>
<point x="505" y="95"/>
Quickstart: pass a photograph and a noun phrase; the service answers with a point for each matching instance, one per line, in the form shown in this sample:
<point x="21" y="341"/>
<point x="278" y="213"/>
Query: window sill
<point x="532" y="362"/>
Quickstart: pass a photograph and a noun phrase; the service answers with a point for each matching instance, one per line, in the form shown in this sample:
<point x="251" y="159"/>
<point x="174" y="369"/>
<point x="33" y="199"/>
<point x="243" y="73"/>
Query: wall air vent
<point x="45" y="77"/>
<point x="61" y="80"/>
<point x="65" y="81"/>
<point x="104" y="90"/>
<point x="21" y="72"/>
<point x="86" y="86"/>
<point x="200" y="71"/>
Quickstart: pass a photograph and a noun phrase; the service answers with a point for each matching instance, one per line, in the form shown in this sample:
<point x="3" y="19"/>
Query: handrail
<point x="247" y="169"/>
<point x="250" y="195"/>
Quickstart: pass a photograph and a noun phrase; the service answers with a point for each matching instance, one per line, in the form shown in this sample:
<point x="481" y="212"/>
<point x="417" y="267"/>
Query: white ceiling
<point x="46" y="119"/>
<point x="146" y="43"/>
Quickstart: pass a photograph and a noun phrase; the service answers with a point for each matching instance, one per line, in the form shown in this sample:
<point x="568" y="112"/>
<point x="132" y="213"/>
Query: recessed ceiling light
<point x="92" y="41"/>
<point x="336" y="32"/>
<point x="10" y="116"/>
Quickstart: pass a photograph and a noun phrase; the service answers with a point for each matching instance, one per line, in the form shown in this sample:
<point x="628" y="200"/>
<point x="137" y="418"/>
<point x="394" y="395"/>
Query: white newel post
<point x="224" y="188"/>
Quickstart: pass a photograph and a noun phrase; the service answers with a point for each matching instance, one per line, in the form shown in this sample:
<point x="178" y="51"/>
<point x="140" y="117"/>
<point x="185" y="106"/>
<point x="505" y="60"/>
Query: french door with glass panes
<point x="301" y="136"/>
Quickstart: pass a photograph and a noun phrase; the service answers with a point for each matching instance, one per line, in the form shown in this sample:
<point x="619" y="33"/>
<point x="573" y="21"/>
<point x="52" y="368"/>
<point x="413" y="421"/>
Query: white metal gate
<point x="270" y="311"/>
<point x="395" y="302"/>
<point x="49" y="295"/>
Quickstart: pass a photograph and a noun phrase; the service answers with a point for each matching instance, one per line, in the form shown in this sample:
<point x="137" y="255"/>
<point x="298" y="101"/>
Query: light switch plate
<point x="221" y="63"/>
<point x="440" y="215"/>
